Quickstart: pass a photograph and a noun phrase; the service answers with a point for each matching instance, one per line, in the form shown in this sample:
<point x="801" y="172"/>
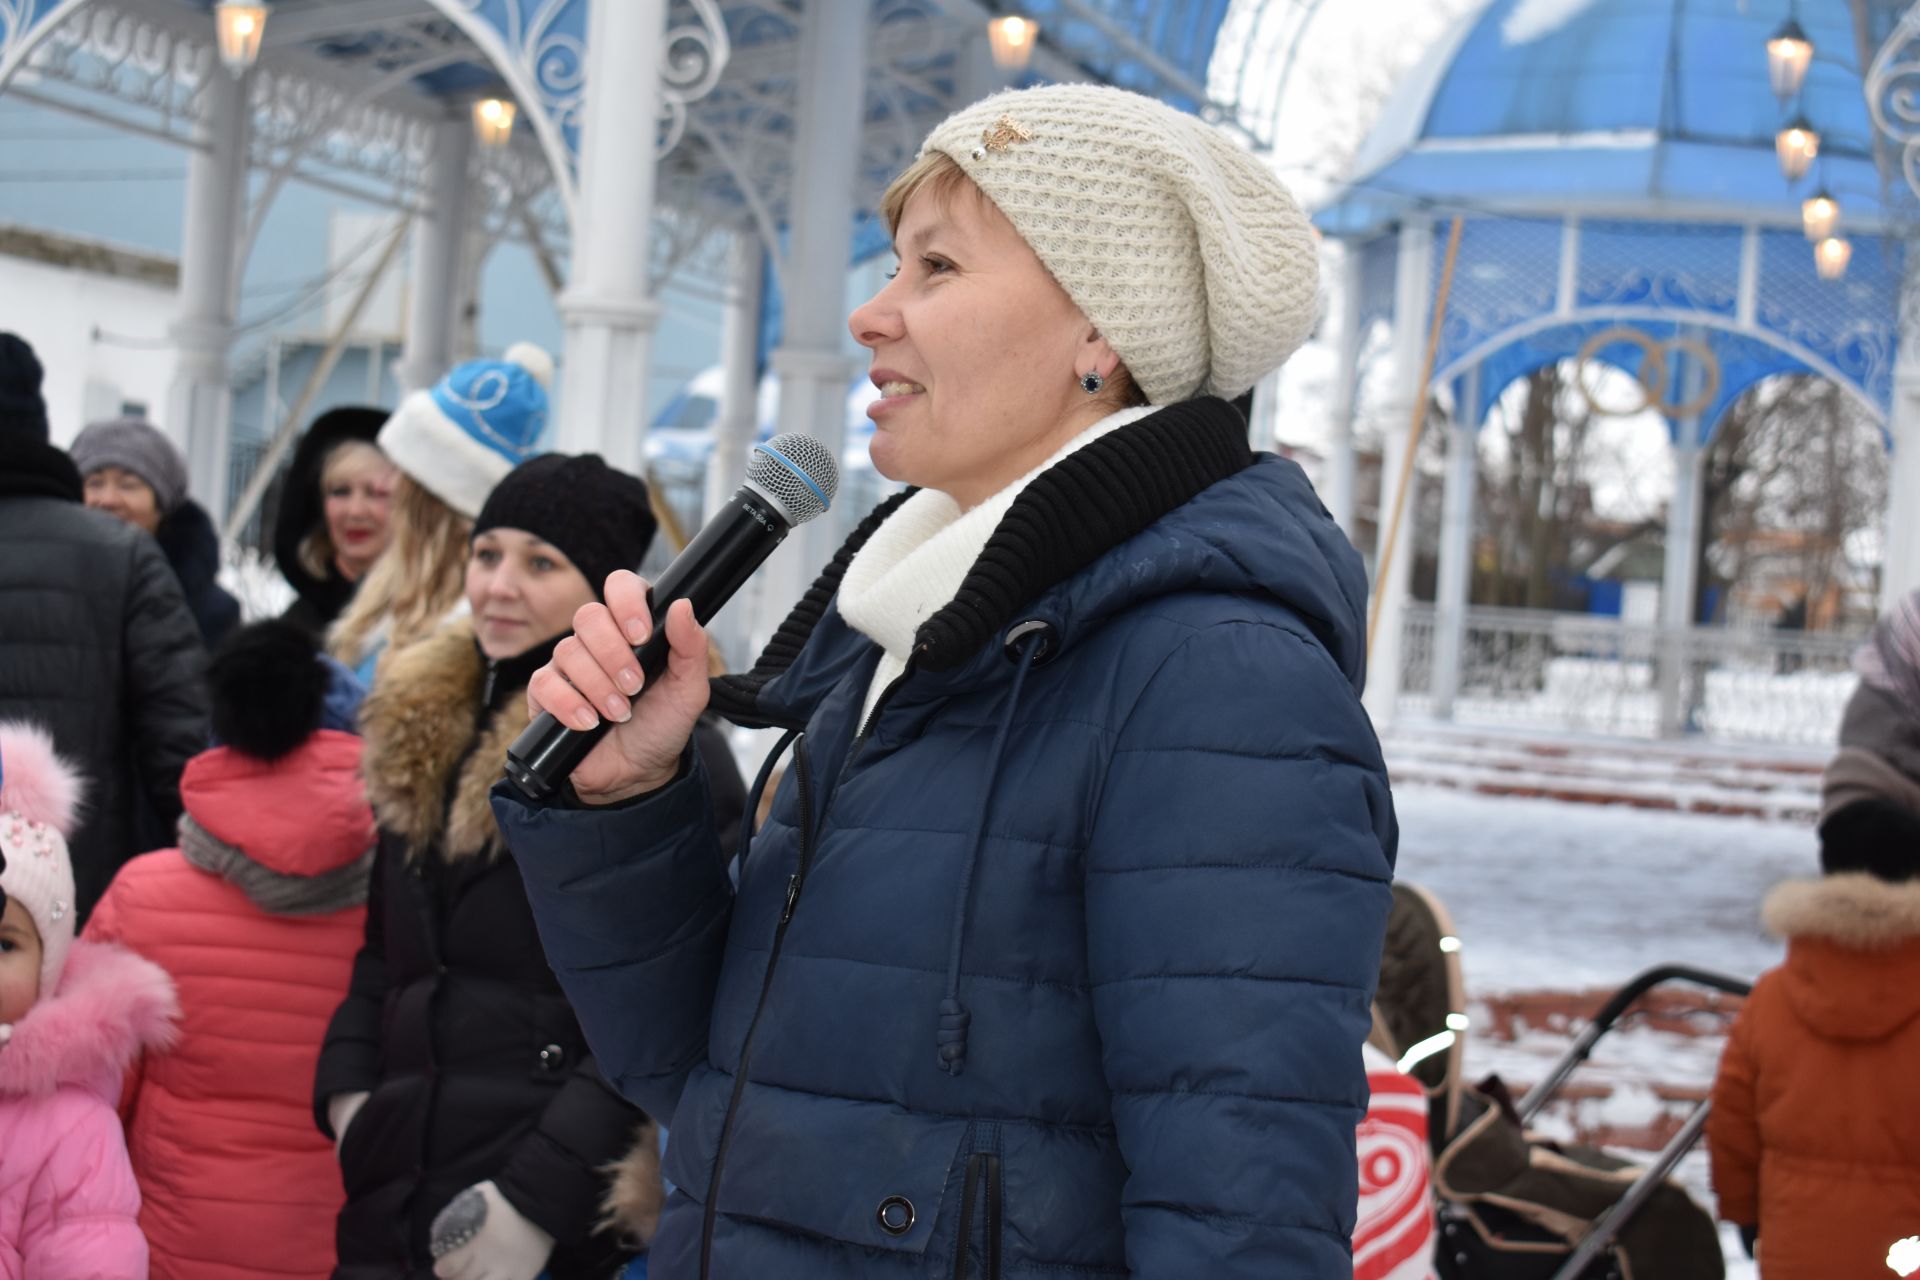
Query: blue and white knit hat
<point x="479" y="422"/>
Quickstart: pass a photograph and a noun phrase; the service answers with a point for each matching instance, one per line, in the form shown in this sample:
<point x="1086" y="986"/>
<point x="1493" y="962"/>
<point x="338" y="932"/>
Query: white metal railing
<point x="1537" y="669"/>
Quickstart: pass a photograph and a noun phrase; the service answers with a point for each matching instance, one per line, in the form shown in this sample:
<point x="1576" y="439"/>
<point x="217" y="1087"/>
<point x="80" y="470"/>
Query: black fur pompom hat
<point x="271" y="688"/>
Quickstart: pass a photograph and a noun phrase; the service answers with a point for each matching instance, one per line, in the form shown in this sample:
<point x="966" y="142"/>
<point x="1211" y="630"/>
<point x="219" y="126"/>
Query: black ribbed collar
<point x="1071" y="514"/>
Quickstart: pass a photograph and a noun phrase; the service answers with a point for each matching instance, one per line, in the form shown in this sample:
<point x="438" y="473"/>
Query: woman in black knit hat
<point x="455" y="1077"/>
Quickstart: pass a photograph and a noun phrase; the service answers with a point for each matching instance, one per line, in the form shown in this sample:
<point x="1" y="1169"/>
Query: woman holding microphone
<point x="1054" y="955"/>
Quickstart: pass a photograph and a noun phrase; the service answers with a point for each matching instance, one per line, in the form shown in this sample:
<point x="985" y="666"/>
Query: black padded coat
<point x="98" y="646"/>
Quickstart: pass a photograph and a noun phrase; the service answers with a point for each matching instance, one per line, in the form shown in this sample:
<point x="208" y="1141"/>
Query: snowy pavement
<point x="1570" y="897"/>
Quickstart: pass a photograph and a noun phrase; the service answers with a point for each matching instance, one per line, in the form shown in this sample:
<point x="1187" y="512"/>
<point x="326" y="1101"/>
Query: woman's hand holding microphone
<point x="593" y="676"/>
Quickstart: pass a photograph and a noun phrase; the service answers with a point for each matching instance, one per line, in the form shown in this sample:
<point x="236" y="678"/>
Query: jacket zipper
<point x="880" y="704"/>
<point x="795" y="882"/>
<point x="982" y="1168"/>
<point x="963" y="1239"/>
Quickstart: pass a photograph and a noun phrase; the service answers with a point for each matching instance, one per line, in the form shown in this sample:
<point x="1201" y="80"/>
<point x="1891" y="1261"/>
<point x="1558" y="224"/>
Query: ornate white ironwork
<point x="139" y="63"/>
<point x="739" y="143"/>
<point x="299" y="119"/>
<point x="548" y="55"/>
<point x="1893" y="92"/>
<point x="691" y="62"/>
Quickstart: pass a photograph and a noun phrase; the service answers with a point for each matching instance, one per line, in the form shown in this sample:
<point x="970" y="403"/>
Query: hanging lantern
<point x="1819" y="214"/>
<point x="1789" y="53"/>
<point x="1012" y="39"/>
<point x="1797" y="145"/>
<point x="238" y="26"/>
<point x="1831" y="256"/>
<point x="493" y="121"/>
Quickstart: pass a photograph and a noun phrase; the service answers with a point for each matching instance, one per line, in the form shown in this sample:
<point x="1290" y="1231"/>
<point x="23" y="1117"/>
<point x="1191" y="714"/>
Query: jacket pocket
<point x="865" y="1173"/>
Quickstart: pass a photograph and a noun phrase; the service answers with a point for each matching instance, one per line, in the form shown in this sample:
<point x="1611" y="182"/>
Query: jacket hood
<point x="1171" y="503"/>
<point x="1853" y="953"/>
<point x="1260" y="532"/>
<point x="301" y="509"/>
<point x="192" y="545"/>
<point x="111" y="1006"/>
<point x="302" y="815"/>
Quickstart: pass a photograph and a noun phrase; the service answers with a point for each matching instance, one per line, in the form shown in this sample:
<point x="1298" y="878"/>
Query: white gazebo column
<point x="1339" y="479"/>
<point x="1900" y="563"/>
<point x="439" y="235"/>
<point x="1263" y="419"/>
<point x="1453" y="592"/>
<point x="812" y="363"/>
<point x="200" y="401"/>
<point x="1678" y="584"/>
<point x="608" y="314"/>
<point x="734" y="428"/>
<point x="1900" y="569"/>
<point x="1413" y="293"/>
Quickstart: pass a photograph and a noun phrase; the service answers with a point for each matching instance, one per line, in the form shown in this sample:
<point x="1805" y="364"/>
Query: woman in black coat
<point x="332" y="523"/>
<point x="455" y="1077"/>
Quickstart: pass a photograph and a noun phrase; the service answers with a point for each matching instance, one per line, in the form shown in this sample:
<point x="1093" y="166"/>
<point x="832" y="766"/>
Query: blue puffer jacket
<point x="1063" y="968"/>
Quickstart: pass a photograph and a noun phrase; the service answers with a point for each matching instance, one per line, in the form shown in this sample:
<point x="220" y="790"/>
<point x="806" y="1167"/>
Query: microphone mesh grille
<point x="777" y="469"/>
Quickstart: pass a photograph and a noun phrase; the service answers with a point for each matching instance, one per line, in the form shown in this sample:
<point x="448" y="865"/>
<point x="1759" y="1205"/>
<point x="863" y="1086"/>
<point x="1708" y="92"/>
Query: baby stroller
<point x="1512" y="1205"/>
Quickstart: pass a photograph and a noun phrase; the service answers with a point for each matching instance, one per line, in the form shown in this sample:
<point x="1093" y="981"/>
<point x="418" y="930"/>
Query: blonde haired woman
<point x="450" y="445"/>
<point x="335" y="514"/>
<point x="1054" y="956"/>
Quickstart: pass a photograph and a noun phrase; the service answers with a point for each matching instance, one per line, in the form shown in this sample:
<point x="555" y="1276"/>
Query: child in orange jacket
<point x="1815" y="1131"/>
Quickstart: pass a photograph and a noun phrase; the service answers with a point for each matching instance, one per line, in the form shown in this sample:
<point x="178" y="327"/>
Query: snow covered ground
<point x="1569" y="897"/>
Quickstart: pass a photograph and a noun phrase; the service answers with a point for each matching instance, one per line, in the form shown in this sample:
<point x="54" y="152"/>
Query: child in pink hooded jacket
<point x="73" y="1015"/>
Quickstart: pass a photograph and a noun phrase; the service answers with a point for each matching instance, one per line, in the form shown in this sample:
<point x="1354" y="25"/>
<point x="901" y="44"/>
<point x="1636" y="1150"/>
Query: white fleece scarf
<point x="913" y="565"/>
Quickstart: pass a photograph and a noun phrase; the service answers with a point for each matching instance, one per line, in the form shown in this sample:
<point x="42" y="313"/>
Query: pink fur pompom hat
<point x="39" y="798"/>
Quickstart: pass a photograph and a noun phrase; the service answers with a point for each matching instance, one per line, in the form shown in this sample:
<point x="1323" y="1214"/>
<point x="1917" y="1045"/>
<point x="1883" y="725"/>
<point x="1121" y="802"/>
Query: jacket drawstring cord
<point x="954" y="1017"/>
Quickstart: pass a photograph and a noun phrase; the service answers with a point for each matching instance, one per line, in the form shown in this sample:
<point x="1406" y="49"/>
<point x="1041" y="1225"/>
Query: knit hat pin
<point x="461" y="438"/>
<point x="39" y="798"/>
<point x="1186" y="252"/>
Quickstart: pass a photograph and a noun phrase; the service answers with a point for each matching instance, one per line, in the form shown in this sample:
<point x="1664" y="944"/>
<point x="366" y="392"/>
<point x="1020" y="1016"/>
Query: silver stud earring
<point x="1091" y="382"/>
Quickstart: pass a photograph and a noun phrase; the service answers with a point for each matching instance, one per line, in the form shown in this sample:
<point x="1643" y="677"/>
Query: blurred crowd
<point x="272" y="1001"/>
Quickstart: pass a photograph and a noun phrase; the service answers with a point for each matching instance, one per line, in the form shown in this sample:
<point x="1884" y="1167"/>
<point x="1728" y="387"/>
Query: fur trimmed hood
<point x="111" y="1007"/>
<point x="1853" y="910"/>
<point x="1853" y="953"/>
<point x="630" y="1211"/>
<point x="421" y="724"/>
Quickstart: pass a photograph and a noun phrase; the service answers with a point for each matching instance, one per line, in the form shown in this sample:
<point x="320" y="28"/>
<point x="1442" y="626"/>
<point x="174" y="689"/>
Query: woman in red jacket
<point x="257" y="915"/>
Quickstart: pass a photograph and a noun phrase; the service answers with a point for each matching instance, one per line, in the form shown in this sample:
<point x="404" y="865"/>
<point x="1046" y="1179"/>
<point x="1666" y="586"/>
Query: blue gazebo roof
<point x="1654" y="107"/>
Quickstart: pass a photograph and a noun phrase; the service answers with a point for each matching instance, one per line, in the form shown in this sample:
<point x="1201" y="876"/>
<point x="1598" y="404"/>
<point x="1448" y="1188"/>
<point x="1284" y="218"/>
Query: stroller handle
<point x="1610" y="1222"/>
<point x="1610" y="1013"/>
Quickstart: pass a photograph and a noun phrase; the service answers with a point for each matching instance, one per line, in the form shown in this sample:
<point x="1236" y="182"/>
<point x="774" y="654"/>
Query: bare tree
<point x="1795" y="471"/>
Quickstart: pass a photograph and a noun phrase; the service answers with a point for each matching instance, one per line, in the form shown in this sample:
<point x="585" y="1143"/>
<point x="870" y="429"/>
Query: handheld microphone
<point x="790" y="480"/>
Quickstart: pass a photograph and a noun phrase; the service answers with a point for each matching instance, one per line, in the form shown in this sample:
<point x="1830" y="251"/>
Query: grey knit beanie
<point x="136" y="445"/>
<point x="1183" y="249"/>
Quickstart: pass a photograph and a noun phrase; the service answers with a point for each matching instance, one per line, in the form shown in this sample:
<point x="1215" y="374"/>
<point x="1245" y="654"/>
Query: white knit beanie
<point x="463" y="435"/>
<point x="39" y="797"/>
<point x="1185" y="251"/>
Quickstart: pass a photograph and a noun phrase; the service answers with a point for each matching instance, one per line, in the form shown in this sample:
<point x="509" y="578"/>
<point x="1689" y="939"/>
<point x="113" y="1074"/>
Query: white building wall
<point x="101" y="339"/>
